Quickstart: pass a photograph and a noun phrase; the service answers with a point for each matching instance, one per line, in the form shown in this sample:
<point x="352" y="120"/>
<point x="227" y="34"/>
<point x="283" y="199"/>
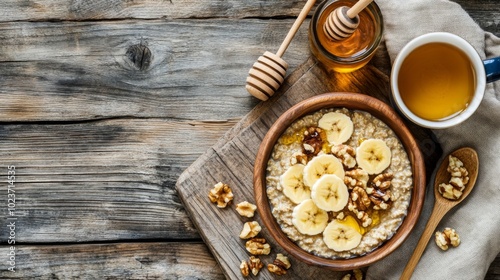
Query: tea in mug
<point x="436" y="81"/>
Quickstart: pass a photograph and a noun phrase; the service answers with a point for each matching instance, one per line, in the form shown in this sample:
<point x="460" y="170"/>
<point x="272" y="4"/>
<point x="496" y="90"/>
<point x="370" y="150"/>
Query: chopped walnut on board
<point x="244" y="268"/>
<point x="355" y="275"/>
<point x="221" y="194"/>
<point x="255" y="265"/>
<point x="246" y="209"/>
<point x="250" y="229"/>
<point x="258" y="246"/>
<point x="280" y="265"/>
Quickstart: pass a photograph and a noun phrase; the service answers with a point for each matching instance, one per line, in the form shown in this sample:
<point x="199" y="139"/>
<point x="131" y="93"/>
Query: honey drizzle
<point x="350" y="220"/>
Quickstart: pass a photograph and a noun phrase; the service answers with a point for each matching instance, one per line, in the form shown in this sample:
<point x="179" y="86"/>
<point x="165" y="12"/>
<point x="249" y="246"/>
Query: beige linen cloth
<point x="477" y="219"/>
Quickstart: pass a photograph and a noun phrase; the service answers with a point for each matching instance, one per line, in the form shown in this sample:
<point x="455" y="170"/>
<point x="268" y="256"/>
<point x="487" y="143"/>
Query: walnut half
<point x="459" y="178"/>
<point x="250" y="229"/>
<point x="258" y="246"/>
<point x="356" y="178"/>
<point x="246" y="209"/>
<point x="244" y="268"/>
<point x="280" y="265"/>
<point x="346" y="154"/>
<point x="221" y="194"/>
<point x="355" y="275"/>
<point x="446" y="238"/>
<point x="254" y="265"/>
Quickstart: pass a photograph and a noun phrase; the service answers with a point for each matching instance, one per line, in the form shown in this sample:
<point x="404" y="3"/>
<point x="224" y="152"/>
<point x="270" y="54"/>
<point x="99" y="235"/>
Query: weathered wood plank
<point x="144" y="9"/>
<point x="59" y="66"/>
<point x="485" y="12"/>
<point x="231" y="161"/>
<point x="115" y="176"/>
<point x="157" y="260"/>
<point x="197" y="69"/>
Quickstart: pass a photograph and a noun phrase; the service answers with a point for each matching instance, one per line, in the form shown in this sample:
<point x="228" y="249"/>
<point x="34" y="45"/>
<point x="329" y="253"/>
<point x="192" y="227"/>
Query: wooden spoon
<point x="442" y="205"/>
<point x="268" y="73"/>
<point x="342" y="22"/>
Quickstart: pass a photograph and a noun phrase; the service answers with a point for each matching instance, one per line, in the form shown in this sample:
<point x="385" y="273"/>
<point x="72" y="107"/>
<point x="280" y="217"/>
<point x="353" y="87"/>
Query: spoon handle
<point x="437" y="214"/>
<point x="295" y="27"/>
<point x="358" y="7"/>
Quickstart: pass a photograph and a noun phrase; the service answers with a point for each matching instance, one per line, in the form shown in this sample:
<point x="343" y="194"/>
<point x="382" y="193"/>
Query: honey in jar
<point x="353" y="52"/>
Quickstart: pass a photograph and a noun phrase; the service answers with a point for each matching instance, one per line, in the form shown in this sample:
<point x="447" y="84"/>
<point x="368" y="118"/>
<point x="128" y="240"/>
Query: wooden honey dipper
<point x="342" y="22"/>
<point x="268" y="72"/>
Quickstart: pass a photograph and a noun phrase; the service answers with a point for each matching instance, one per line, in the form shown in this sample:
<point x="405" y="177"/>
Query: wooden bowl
<point x="354" y="101"/>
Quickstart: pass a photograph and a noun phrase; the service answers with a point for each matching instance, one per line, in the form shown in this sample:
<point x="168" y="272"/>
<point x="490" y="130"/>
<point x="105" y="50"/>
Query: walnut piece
<point x="449" y="192"/>
<point x="280" y="265"/>
<point x="383" y="181"/>
<point x="258" y="246"/>
<point x="360" y="198"/>
<point x="346" y="154"/>
<point x="312" y="142"/>
<point x="284" y="260"/>
<point x="255" y="265"/>
<point x="379" y="191"/>
<point x="446" y="238"/>
<point x="246" y="209"/>
<point x="244" y="268"/>
<point x="298" y="157"/>
<point x="459" y="178"/>
<point x="250" y="229"/>
<point x="356" y="178"/>
<point x="358" y="203"/>
<point x="355" y="275"/>
<point x="273" y="268"/>
<point x="221" y="194"/>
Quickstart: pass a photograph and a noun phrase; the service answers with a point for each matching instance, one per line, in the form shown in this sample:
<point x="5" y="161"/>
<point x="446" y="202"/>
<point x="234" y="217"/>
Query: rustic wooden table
<point x="104" y="104"/>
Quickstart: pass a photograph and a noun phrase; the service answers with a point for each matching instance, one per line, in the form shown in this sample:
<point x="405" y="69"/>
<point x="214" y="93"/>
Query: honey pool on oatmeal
<point x="339" y="182"/>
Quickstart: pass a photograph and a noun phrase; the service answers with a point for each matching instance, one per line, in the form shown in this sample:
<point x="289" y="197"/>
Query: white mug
<point x="483" y="72"/>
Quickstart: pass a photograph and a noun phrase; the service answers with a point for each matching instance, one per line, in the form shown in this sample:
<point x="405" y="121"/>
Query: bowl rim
<point x="352" y="101"/>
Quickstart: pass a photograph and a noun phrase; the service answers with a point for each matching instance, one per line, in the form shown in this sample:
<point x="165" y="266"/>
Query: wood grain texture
<point x="144" y="9"/>
<point x="52" y="77"/>
<point x="155" y="260"/>
<point x="192" y="65"/>
<point x="115" y="176"/>
<point x="231" y="161"/>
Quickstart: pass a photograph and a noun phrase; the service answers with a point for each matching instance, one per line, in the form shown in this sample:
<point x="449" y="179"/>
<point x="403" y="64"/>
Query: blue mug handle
<point x="492" y="67"/>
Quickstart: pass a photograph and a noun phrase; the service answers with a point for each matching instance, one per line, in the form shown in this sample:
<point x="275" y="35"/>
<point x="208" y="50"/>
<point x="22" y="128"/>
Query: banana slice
<point x="293" y="184"/>
<point x="373" y="156"/>
<point x="322" y="164"/>
<point x="341" y="237"/>
<point x="338" y="127"/>
<point x="330" y="193"/>
<point x="308" y="218"/>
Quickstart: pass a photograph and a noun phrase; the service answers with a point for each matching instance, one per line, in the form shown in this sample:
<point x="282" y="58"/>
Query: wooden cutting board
<point x="231" y="161"/>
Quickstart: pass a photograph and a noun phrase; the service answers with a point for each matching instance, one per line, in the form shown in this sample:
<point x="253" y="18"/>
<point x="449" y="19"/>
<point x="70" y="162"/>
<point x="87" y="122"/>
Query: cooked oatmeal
<point x="383" y="221"/>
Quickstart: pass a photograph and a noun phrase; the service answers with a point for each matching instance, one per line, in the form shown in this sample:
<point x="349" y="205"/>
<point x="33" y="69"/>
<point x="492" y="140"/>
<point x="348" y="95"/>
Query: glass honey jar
<point x="353" y="52"/>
